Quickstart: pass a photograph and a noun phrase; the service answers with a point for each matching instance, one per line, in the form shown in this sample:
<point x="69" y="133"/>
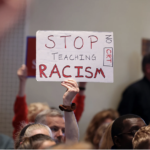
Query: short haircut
<point x="36" y="108"/>
<point x="41" y="117"/>
<point x="118" y="127"/>
<point x="146" y="60"/>
<point x="141" y="139"/>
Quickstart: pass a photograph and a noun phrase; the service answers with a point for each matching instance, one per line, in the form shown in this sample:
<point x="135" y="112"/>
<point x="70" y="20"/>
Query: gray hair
<point x="41" y="117"/>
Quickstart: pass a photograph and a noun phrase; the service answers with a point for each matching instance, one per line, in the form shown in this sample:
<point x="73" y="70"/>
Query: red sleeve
<point x="79" y="101"/>
<point x="20" y="114"/>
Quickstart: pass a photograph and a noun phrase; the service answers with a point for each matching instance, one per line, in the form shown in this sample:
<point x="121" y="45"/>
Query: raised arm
<point x="22" y="75"/>
<point x="71" y="127"/>
<point x="20" y="105"/>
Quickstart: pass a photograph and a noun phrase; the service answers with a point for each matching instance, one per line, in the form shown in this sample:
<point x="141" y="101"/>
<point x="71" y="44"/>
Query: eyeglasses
<point x="132" y="133"/>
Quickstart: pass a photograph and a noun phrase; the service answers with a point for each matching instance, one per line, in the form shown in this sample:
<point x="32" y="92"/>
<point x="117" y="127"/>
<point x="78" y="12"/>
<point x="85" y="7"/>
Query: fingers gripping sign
<point x="72" y="90"/>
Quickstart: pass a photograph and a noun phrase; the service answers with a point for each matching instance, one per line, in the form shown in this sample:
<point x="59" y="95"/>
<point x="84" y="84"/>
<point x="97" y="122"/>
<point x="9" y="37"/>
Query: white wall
<point x="130" y="22"/>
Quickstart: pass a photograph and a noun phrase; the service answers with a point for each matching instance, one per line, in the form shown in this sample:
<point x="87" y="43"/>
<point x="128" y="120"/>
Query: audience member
<point x="124" y="129"/>
<point x="105" y="116"/>
<point x="62" y="128"/>
<point x="31" y="130"/>
<point x="141" y="138"/>
<point x="28" y="114"/>
<point x="136" y="98"/>
<point x="98" y="135"/>
<point x="38" y="141"/>
<point x="6" y="142"/>
<point x="106" y="141"/>
<point x="80" y="145"/>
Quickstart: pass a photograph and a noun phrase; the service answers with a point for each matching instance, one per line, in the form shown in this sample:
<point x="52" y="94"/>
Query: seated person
<point x="38" y="141"/>
<point x="28" y="114"/>
<point x="141" y="138"/>
<point x="31" y="130"/>
<point x="136" y="98"/>
<point x="105" y="116"/>
<point x="65" y="129"/>
<point x="124" y="129"/>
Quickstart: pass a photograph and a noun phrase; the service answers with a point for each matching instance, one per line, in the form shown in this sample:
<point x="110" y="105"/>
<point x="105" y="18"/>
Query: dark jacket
<point x="136" y="100"/>
<point x="6" y="142"/>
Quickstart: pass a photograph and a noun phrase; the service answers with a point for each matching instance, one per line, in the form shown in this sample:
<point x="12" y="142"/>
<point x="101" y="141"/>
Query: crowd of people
<point x="40" y="126"/>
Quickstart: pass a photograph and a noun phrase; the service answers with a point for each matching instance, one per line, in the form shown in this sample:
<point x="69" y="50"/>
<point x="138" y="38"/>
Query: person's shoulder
<point x="135" y="85"/>
<point x="6" y="141"/>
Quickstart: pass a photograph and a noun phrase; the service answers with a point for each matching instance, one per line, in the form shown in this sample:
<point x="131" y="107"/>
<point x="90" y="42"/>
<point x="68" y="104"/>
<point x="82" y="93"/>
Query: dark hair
<point x="117" y="126"/>
<point x="146" y="60"/>
<point x="97" y="121"/>
<point x="34" y="142"/>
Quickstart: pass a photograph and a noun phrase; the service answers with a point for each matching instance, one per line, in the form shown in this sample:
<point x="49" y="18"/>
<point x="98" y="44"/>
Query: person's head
<point x="55" y="121"/>
<point x="30" y="130"/>
<point x="38" y="141"/>
<point x="99" y="133"/>
<point x="124" y="129"/>
<point x="106" y="141"/>
<point x="105" y="116"/>
<point x="79" y="145"/>
<point x="146" y="66"/>
<point x="141" y="139"/>
<point x="34" y="109"/>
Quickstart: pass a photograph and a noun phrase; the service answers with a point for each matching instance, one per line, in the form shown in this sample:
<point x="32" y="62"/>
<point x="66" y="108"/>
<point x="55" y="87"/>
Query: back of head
<point x="97" y="121"/>
<point x="34" y="109"/>
<point x="35" y="142"/>
<point x="29" y="130"/>
<point x="141" y="139"/>
<point x="41" y="117"/>
<point x="146" y="60"/>
<point x="106" y="141"/>
<point x="79" y="145"/>
<point x="99" y="133"/>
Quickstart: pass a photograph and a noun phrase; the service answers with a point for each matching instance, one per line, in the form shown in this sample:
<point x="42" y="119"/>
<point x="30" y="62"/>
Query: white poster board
<point x="83" y="56"/>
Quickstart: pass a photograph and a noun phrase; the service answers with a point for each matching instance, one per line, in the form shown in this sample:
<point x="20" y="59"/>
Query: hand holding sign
<point x="72" y="90"/>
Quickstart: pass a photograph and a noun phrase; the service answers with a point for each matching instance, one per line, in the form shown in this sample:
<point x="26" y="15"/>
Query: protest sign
<point x="83" y="56"/>
<point x="31" y="56"/>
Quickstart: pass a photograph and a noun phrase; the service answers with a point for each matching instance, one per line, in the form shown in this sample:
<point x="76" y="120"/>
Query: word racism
<point x="55" y="70"/>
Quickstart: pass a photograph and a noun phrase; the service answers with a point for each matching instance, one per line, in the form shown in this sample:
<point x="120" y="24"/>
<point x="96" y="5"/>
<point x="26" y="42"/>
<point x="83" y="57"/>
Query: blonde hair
<point x="34" y="109"/>
<point x="80" y="145"/>
<point x="106" y="141"/>
<point x="97" y="121"/>
<point x="28" y="132"/>
<point x="99" y="133"/>
<point x="141" y="138"/>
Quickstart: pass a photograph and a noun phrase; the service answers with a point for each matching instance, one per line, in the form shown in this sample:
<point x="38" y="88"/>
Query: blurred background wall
<point x="129" y="20"/>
